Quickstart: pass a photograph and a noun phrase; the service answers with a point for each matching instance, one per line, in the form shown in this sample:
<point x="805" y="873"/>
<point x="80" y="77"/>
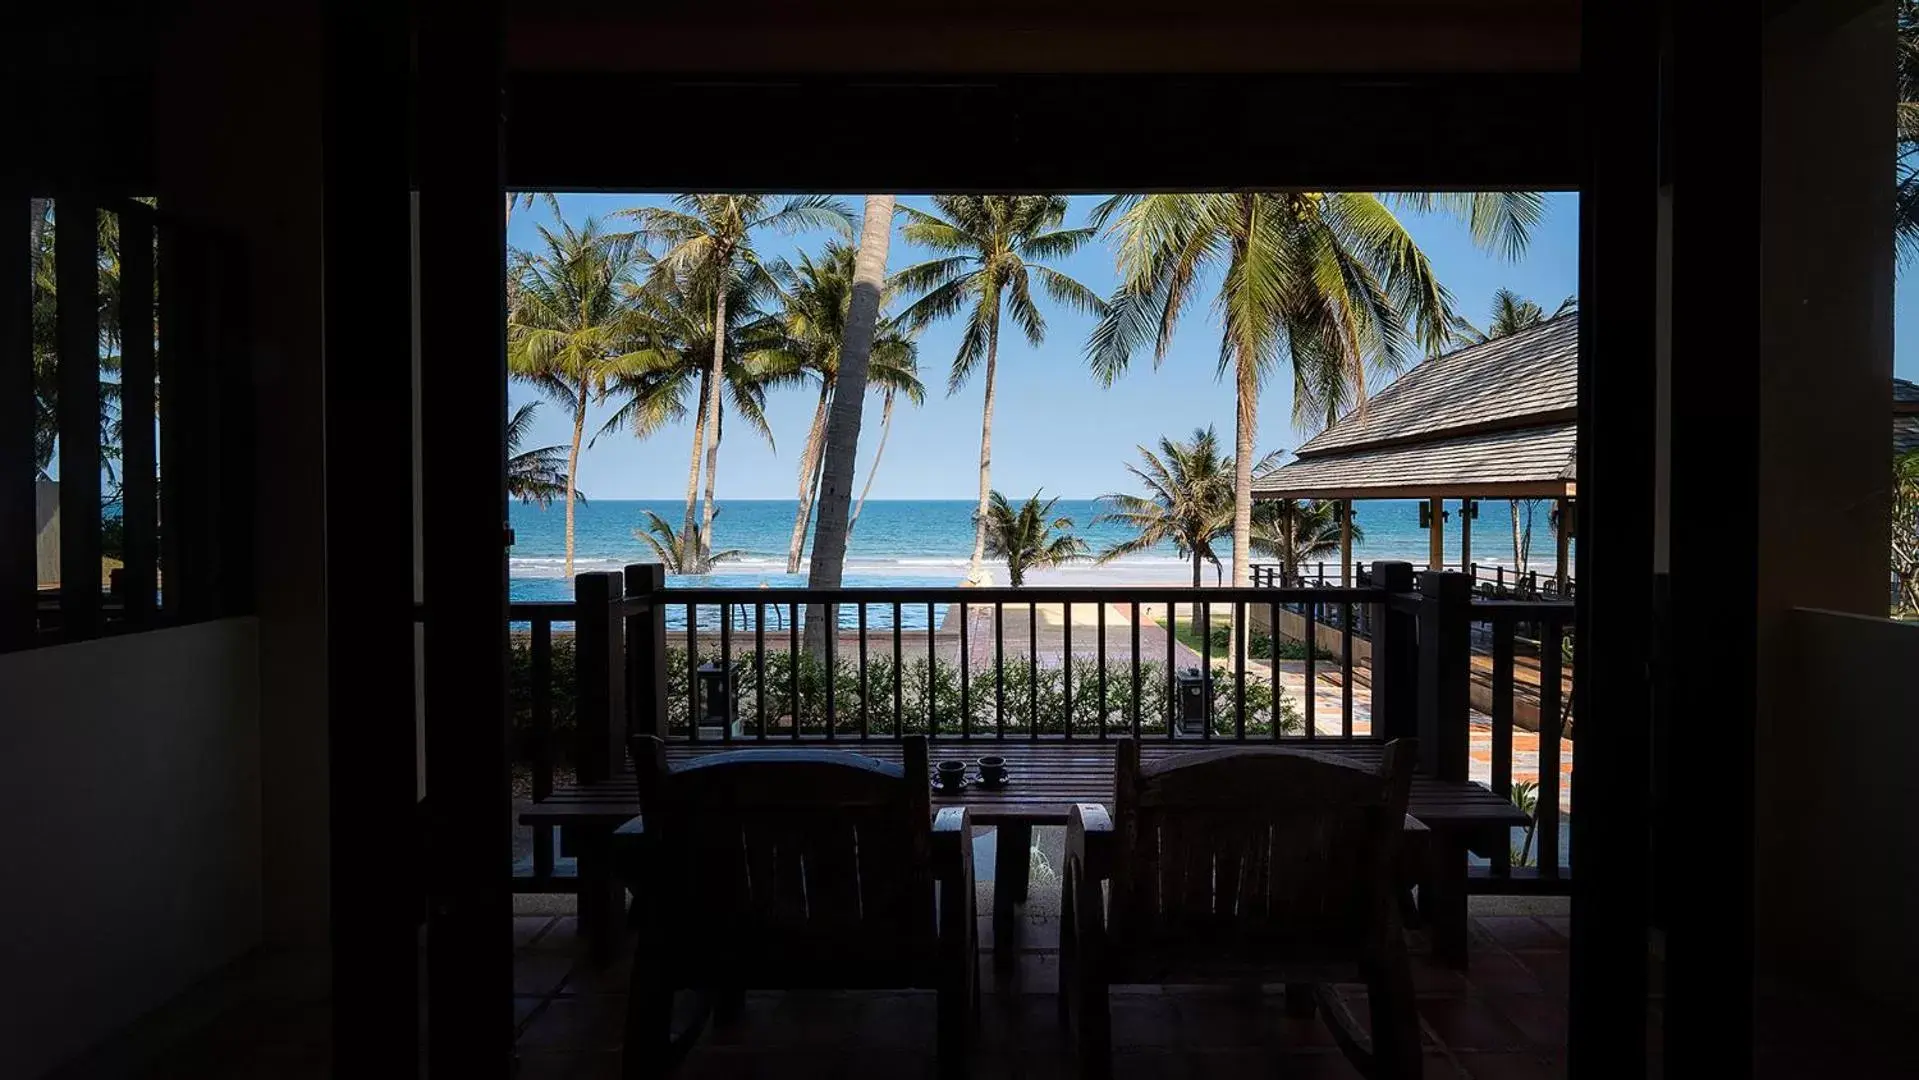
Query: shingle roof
<point x="1540" y="459"/>
<point x="1905" y="433"/>
<point x="1498" y="383"/>
<point x="1905" y="393"/>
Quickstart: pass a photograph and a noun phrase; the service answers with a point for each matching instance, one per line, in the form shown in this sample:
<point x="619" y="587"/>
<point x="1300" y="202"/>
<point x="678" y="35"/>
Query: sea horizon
<point x="927" y="542"/>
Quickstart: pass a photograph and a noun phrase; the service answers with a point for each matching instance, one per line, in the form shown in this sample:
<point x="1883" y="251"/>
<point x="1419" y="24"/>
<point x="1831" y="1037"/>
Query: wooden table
<point x="1047" y="777"/>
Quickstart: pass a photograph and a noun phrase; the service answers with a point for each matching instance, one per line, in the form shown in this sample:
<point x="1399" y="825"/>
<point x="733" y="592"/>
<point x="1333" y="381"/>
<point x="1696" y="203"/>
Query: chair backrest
<point x="1256" y="854"/>
<point x="788" y="867"/>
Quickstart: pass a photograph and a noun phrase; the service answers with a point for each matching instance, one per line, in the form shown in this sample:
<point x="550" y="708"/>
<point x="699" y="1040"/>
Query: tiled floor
<point x="1504" y="1019"/>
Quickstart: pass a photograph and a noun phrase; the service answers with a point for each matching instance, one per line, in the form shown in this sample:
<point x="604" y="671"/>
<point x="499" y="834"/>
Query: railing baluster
<point x="1172" y="669"/>
<point x="1348" y="668"/>
<point x="726" y="670"/>
<point x="1032" y="667"/>
<point x="830" y="615"/>
<point x="1502" y="750"/>
<point x="541" y="648"/>
<point x="1279" y="684"/>
<point x="1100" y="662"/>
<point x="1310" y="609"/>
<point x="793" y="665"/>
<point x="1066" y="666"/>
<point x="1242" y="630"/>
<point x="692" y="672"/>
<point x="1203" y="623"/>
<point x="966" y="692"/>
<point x="759" y="665"/>
<point x="999" y="668"/>
<point x="899" y="675"/>
<point x="932" y="669"/>
<point x="865" y="693"/>
<point x="1546" y="819"/>
<point x="1136" y="659"/>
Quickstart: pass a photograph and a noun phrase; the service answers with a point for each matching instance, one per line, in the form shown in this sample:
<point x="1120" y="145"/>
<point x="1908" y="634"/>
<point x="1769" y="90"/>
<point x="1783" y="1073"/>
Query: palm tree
<point x="681" y="553"/>
<point x="526" y="199"/>
<point x="672" y="366"/>
<point x="1906" y="197"/>
<point x="815" y="296"/>
<point x="886" y="428"/>
<point x="1511" y="314"/>
<point x="1295" y="532"/>
<point x="991" y="247"/>
<point x="573" y="332"/>
<point x="708" y="240"/>
<point x="1330" y="280"/>
<point x="1905" y="527"/>
<point x="1026" y="539"/>
<point x="536" y="476"/>
<point x="1188" y="500"/>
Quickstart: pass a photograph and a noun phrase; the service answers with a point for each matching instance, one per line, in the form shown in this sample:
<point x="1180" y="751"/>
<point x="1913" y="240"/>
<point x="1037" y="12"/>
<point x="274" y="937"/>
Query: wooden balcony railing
<point x="1299" y="665"/>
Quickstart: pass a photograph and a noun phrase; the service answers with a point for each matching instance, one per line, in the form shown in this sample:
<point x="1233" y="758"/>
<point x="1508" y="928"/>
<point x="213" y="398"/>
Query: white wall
<point x="1838" y="839"/>
<point x="132" y="808"/>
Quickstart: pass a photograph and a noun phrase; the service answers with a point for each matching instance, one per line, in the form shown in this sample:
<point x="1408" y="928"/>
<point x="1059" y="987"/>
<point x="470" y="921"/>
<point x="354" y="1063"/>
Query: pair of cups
<point x="952" y="774"/>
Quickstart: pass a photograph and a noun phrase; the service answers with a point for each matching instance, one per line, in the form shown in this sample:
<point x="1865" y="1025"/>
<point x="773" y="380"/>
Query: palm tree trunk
<point x="712" y="478"/>
<point x="886" y="428"/>
<point x="974" y="568"/>
<point x="849" y="401"/>
<point x="1195" y="568"/>
<point x="693" y="467"/>
<point x="809" y="480"/>
<point x="1245" y="434"/>
<point x="573" y="472"/>
<point x="715" y="376"/>
<point x="710" y="506"/>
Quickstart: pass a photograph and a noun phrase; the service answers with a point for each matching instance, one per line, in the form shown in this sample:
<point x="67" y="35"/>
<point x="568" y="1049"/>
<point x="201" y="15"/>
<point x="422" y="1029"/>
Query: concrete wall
<point x="134" y="848"/>
<point x="1838" y="843"/>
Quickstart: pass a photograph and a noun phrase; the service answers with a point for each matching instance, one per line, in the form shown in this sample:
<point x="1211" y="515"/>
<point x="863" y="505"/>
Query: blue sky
<point x="1054" y="428"/>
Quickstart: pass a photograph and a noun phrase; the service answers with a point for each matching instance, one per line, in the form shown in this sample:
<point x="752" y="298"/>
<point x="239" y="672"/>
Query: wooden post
<point x="1346" y="543"/>
<point x="1466" y="507"/>
<point x="1436" y="535"/>
<point x="1395" y="655"/>
<point x="1445" y="656"/>
<point x="646" y="652"/>
<point x="1565" y="544"/>
<point x="601" y="670"/>
<point x="77" y="270"/>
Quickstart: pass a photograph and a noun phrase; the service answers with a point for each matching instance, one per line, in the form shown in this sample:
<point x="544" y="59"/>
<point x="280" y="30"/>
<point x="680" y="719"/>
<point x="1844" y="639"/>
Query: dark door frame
<point x="1422" y="132"/>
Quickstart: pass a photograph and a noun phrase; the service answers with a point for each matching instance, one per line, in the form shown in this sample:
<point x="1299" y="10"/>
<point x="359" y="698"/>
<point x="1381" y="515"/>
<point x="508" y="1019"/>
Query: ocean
<point x="926" y="542"/>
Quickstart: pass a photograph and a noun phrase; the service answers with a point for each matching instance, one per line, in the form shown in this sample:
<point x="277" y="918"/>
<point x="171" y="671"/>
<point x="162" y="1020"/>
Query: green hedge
<point x="930" y="696"/>
<point x="1028" y="696"/>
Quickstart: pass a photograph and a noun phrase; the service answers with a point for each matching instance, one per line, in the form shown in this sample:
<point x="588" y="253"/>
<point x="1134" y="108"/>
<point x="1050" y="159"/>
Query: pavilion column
<point x="1436" y="536"/>
<point x="1346" y="542"/>
<point x="1466" y="506"/>
<point x="1564" y="532"/>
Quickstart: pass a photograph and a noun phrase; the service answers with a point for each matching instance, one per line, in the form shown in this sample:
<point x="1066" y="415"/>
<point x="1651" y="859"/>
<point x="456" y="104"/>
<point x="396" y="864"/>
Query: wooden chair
<point x="796" y="869"/>
<point x="1243" y="865"/>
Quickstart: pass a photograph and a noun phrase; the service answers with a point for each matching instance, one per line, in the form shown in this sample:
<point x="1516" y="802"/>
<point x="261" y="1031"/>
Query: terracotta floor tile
<point x="1520" y="932"/>
<point x="1540" y="1018"/>
<point x="1523" y="1066"/>
<point x="579" y="1024"/>
<point x="1470" y="1023"/>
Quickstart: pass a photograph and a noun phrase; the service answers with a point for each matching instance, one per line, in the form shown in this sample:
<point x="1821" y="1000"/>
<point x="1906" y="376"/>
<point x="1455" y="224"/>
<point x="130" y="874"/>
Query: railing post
<point x="600" y="671"/>
<point x="646" y="652"/>
<point x="1445" y="674"/>
<point x="1395" y="655"/>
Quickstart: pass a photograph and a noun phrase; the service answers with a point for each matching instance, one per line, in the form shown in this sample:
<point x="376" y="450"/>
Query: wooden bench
<point x="1048" y="776"/>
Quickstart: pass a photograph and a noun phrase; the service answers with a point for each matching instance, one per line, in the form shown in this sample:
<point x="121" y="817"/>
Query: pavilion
<point x="1495" y="420"/>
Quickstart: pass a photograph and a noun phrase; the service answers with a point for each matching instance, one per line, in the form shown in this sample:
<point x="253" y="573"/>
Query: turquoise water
<point x="927" y="542"/>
